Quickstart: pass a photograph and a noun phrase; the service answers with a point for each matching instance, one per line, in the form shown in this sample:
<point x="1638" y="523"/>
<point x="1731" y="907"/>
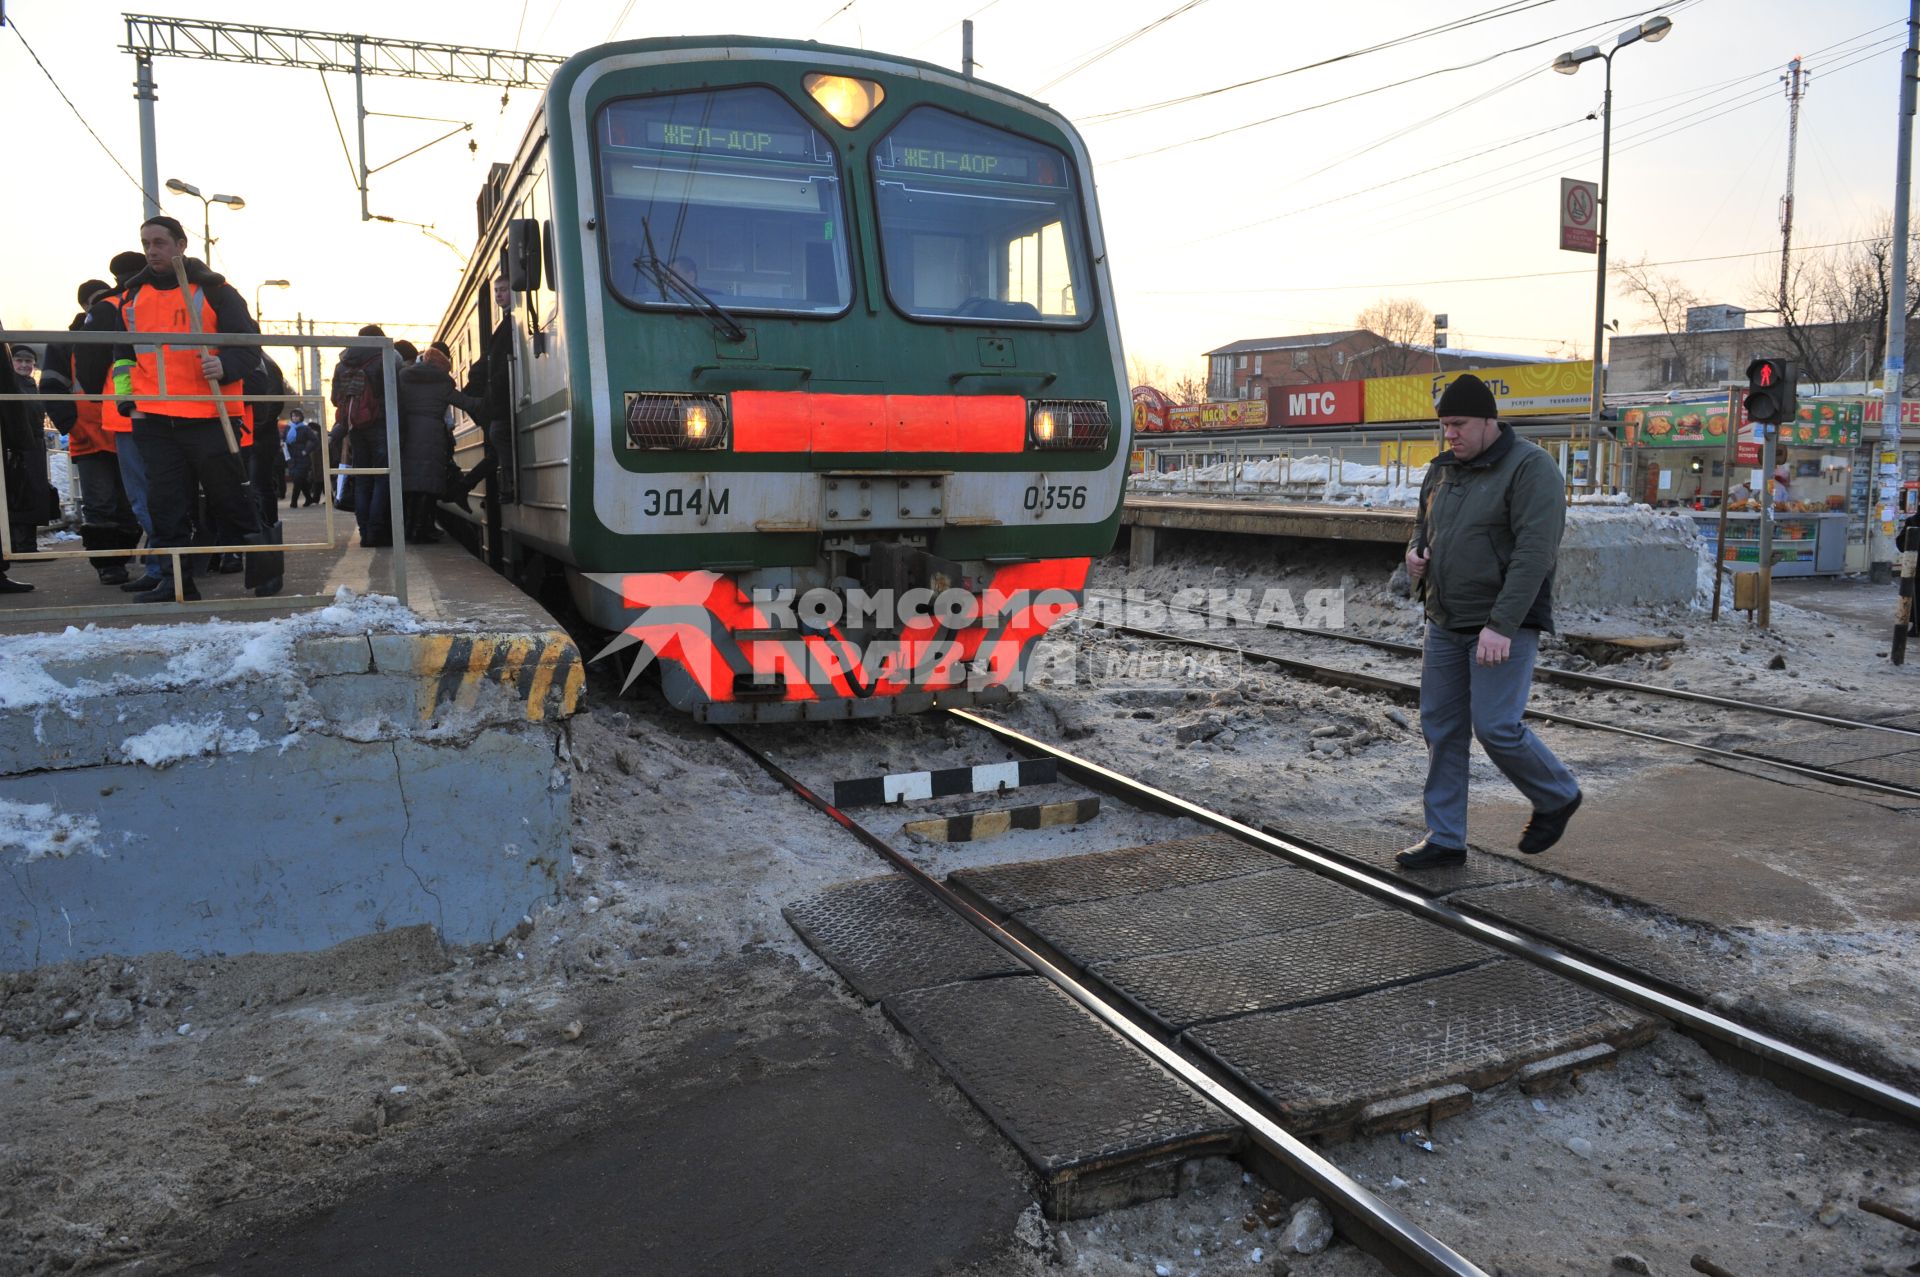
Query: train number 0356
<point x="1057" y="496"/>
<point x="677" y="501"/>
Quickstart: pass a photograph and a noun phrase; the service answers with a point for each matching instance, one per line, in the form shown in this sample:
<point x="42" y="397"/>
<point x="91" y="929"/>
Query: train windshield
<point x="979" y="223"/>
<point x="733" y="190"/>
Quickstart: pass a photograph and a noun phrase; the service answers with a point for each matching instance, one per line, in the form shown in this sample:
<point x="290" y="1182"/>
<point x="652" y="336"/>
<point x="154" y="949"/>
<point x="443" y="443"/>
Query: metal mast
<point x="1886" y="478"/>
<point x="1796" y="87"/>
<point x="150" y="37"/>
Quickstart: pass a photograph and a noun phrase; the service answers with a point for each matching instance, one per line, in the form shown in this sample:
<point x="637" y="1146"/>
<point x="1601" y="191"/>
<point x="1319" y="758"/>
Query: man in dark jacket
<point x="303" y="459"/>
<point x="31" y="499"/>
<point x="107" y="520"/>
<point x="426" y="442"/>
<point x="1488" y="532"/>
<point x="181" y="442"/>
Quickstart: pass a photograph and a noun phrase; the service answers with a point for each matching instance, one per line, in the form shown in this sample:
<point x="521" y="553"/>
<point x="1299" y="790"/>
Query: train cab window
<point x="978" y="223"/>
<point x="734" y="190"/>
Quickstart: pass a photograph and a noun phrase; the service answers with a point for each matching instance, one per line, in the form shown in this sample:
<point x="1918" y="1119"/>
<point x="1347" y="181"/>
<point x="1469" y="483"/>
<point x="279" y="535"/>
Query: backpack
<point x="366" y="405"/>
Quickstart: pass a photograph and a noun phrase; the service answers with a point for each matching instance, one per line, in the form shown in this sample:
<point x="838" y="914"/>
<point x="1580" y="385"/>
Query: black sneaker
<point x="1431" y="855"/>
<point x="163" y="593"/>
<point x="10" y="586"/>
<point x="228" y="564"/>
<point x="115" y="575"/>
<point x="1545" y="828"/>
<point x="143" y="584"/>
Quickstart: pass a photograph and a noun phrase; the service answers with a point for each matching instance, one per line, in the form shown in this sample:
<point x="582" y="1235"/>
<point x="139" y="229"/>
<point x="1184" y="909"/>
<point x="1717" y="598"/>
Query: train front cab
<point x="846" y="381"/>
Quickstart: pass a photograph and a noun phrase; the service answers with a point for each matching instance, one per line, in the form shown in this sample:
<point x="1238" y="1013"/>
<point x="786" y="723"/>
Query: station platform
<point x="280" y="775"/>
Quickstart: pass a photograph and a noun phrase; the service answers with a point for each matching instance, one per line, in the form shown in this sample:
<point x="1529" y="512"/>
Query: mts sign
<point x="1330" y="403"/>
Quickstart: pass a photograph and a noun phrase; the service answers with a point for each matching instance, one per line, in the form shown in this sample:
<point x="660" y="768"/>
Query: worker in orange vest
<point x="107" y="520"/>
<point x="181" y="441"/>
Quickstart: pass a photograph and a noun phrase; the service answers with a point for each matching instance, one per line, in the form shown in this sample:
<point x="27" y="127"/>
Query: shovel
<point x="263" y="571"/>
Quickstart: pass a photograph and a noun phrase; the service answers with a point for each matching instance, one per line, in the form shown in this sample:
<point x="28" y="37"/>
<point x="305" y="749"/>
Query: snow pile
<point x="210" y="653"/>
<point x="1325" y="478"/>
<point x="168" y="743"/>
<point x="39" y="831"/>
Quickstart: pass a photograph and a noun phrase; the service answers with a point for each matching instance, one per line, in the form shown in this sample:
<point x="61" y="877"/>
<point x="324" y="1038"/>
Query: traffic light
<point x="1772" y="391"/>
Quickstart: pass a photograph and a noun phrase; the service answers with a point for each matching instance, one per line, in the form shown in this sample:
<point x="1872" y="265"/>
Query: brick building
<point x="1251" y="369"/>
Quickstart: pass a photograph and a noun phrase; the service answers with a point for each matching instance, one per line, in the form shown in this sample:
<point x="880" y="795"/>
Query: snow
<point x="169" y="743"/>
<point x="211" y="653"/>
<point x="38" y="831"/>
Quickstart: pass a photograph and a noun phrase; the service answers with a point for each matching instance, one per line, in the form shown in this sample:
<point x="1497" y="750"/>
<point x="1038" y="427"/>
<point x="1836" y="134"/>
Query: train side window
<point x="979" y="223"/>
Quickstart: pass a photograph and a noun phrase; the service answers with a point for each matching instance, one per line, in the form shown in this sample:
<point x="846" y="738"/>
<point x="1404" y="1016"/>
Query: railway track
<point x="1576" y="679"/>
<point x="1400" y="689"/>
<point x="1375" y="1224"/>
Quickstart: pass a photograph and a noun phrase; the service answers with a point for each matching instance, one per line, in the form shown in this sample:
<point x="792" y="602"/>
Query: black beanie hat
<point x="1467" y="396"/>
<point x="126" y="265"/>
<point x="92" y="289"/>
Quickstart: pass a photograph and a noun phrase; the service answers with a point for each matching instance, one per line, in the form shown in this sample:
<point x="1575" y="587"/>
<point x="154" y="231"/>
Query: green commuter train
<point x="818" y="395"/>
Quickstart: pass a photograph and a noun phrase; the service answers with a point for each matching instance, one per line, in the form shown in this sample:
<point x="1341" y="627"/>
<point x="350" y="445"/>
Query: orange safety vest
<point x="164" y="310"/>
<point x="89" y="434"/>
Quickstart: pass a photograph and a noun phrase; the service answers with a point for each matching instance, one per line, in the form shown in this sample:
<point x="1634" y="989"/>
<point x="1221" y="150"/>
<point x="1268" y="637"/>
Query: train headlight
<point x="846" y="99"/>
<point x="663" y="421"/>
<point x="1059" y="425"/>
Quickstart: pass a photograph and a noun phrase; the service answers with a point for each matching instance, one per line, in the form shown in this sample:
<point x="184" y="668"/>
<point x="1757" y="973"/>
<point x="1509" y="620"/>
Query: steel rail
<point x="1396" y="687"/>
<point x="1567" y="678"/>
<point x="1697" y="1021"/>
<point x="1403" y="1244"/>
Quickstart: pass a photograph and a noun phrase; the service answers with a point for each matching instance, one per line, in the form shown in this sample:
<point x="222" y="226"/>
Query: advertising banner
<point x="1820" y="423"/>
<point x="1521" y="390"/>
<point x="1327" y="403"/>
<point x="1228" y="414"/>
<point x="1150" y="409"/>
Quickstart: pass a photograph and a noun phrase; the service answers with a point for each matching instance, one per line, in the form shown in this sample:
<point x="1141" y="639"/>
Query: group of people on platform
<point x="162" y="472"/>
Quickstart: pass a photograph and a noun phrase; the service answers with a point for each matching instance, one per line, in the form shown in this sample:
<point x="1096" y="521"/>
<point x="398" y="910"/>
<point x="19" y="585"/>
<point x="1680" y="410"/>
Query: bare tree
<point x="1142" y="373"/>
<point x="1405" y="326"/>
<point x="1190" y="389"/>
<point x="1835" y="308"/>
<point x="1666" y="301"/>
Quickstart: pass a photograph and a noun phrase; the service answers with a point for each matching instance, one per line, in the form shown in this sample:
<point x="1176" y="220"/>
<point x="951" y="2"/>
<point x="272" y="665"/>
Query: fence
<point x="314" y="407"/>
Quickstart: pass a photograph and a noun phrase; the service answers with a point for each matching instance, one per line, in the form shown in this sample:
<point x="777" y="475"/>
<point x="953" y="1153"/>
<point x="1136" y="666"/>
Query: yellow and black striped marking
<point x="978" y="826"/>
<point x="542" y="671"/>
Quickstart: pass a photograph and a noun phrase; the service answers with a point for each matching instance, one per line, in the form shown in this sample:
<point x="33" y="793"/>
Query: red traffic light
<point x="1766" y="374"/>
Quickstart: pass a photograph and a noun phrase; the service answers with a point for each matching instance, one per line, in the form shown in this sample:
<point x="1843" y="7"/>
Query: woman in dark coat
<point x="426" y="436"/>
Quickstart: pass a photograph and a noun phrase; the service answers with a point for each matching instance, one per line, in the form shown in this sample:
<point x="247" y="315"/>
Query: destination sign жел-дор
<point x="930" y="159"/>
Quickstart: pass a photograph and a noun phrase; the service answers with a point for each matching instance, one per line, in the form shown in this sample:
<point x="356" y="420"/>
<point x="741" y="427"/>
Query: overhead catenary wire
<point x="1109" y="50"/>
<point x="1684" y="99"/>
<point x="14" y="23"/>
<point x="1382" y="88"/>
<point x="1487" y="15"/>
<point x="1489" y="279"/>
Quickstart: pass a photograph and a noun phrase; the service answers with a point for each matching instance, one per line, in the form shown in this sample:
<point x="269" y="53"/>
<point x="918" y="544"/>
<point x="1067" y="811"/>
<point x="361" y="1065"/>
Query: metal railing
<point x="163" y="343"/>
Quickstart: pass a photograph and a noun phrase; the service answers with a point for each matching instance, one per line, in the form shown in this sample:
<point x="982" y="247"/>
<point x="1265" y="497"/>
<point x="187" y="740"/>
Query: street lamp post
<point x="1652" y="30"/>
<point x="266" y="283"/>
<point x="206" y="210"/>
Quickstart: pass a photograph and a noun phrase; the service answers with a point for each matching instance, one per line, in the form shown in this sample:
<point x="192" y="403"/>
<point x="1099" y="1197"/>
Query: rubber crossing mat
<point x="884" y="935"/>
<point x="1208" y="913"/>
<point x="1074" y="1096"/>
<point x="1891" y="769"/>
<point x="1320" y="1065"/>
<point x="1181" y="862"/>
<point x="1293" y="968"/>
<point x="1685" y="957"/>
<point x="1835" y="751"/>
<point x="1376" y="848"/>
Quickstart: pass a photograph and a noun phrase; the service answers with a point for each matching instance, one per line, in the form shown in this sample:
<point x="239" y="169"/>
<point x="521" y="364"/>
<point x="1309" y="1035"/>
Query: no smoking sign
<point x="1579" y="207"/>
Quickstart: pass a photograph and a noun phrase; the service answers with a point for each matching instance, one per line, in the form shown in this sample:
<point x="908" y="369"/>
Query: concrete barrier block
<point x="120" y="728"/>
<point x="334" y="654"/>
<point x="541" y="672"/>
<point x="277" y="851"/>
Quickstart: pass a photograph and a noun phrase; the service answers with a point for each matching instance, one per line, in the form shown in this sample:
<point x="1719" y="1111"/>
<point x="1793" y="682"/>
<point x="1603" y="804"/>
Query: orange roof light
<point x="844" y="98"/>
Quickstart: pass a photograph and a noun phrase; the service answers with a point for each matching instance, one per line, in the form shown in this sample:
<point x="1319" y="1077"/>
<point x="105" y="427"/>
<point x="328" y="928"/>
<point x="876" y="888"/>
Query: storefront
<point x="1683" y="459"/>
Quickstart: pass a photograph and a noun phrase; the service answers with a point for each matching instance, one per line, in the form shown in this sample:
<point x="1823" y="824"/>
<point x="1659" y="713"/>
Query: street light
<point x="266" y="283"/>
<point x="1653" y="30"/>
<point x="206" y="210"/>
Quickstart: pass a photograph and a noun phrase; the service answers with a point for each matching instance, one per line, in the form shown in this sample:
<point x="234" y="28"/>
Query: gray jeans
<point x="1459" y="701"/>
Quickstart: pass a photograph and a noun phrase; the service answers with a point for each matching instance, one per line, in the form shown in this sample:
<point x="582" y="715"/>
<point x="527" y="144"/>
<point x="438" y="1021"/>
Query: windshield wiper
<point x="666" y="278"/>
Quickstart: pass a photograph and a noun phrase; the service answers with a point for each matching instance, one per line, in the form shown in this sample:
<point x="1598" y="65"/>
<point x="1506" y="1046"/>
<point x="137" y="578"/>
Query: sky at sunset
<point x="1254" y="211"/>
